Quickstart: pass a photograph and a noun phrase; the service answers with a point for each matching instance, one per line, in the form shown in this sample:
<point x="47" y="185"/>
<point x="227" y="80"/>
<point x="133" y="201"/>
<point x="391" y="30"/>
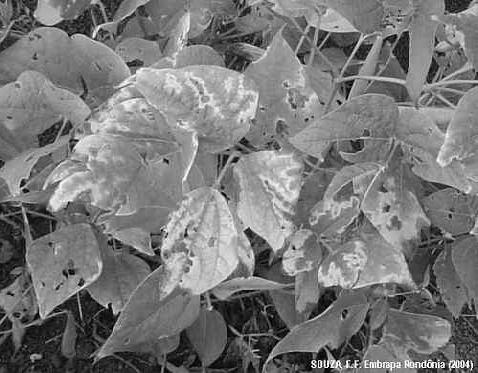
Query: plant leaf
<point x="17" y="301"/>
<point x="422" y="40"/>
<point x="270" y="184"/>
<point x="287" y="101"/>
<point x="461" y="132"/>
<point x="62" y="263"/>
<point x="366" y="15"/>
<point x="216" y="102"/>
<point x="198" y="55"/>
<point x="451" y="211"/>
<point x="360" y="263"/>
<point x="465" y="260"/>
<point x="70" y="63"/>
<point x="333" y="21"/>
<point x="368" y="116"/>
<point x="227" y="288"/>
<point x="452" y="290"/>
<point x="200" y="248"/>
<point x="51" y="12"/>
<point x="303" y="254"/>
<point x="330" y="328"/>
<point x="208" y="335"/>
<point x="155" y="310"/>
<point x="122" y="273"/>
<point x="138" y="50"/>
<point x="68" y="339"/>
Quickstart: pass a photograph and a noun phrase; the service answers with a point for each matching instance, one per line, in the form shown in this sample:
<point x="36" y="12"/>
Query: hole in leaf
<point x="81" y="282"/>
<point x="382" y="188"/>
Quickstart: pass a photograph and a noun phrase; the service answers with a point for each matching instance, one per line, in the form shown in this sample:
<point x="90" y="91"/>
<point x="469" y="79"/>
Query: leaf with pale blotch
<point x="227" y="288"/>
<point x="155" y="310"/>
<point x="270" y="184"/>
<point x="461" y="134"/>
<point x="360" y="263"/>
<point x="421" y="333"/>
<point x="134" y="50"/>
<point x="287" y="101"/>
<point x="51" y="12"/>
<point x="116" y="175"/>
<point x="208" y="335"/>
<point x="373" y="117"/>
<point x="201" y="242"/>
<point x="303" y="254"/>
<point x="29" y="106"/>
<point x="366" y="15"/>
<point x="451" y="211"/>
<point x="465" y="22"/>
<point x="337" y="323"/>
<point x="465" y="260"/>
<point x="347" y="175"/>
<point x="122" y="273"/>
<point x="71" y="63"/>
<point x="392" y="207"/>
<point x="62" y="263"/>
<point x="422" y="40"/>
<point x="19" y="168"/>
<point x="452" y="290"/>
<point x="215" y="102"/>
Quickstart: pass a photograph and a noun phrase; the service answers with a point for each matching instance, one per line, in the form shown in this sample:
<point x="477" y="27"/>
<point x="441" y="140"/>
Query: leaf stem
<point x="383" y="79"/>
<point x="228" y="164"/>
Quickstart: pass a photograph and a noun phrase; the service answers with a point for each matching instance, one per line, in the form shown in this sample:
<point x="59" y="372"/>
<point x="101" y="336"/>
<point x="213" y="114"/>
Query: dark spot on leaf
<point x="450" y="215"/>
<point x="396" y="224"/>
<point x="57" y="287"/>
<point x="211" y="242"/>
<point x="18" y="85"/>
<point x="127" y="341"/>
<point x="296" y="99"/>
<point x="9" y="117"/>
<point x="81" y="282"/>
<point x="10" y="293"/>
<point x="386" y="208"/>
<point x="65" y="273"/>
<point x="35" y="56"/>
<point x="366" y="133"/>
<point x="166" y="161"/>
<point x="42" y="284"/>
<point x="285" y="84"/>
<point x="344" y="314"/>
<point x="135" y="63"/>
<point x="98" y="66"/>
<point x="282" y="128"/>
<point x="382" y="188"/>
<point x="16" y="314"/>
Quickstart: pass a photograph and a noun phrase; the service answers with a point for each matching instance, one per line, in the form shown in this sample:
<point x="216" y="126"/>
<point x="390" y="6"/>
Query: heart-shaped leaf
<point x="62" y="263"/>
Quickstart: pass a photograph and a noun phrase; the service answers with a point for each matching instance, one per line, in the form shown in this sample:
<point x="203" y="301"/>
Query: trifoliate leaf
<point x="338" y="322"/>
<point x="155" y="310"/>
<point x="451" y="211"/>
<point x="215" y="102"/>
<point x="208" y="335"/>
<point x="360" y="263"/>
<point x="270" y="184"/>
<point x="51" y="12"/>
<point x="452" y="290"/>
<point x="200" y="247"/>
<point x="422" y="40"/>
<point x="62" y="263"/>
<point x="75" y="63"/>
<point x="287" y="102"/>
<point x="122" y="273"/>
<point x="368" y="116"/>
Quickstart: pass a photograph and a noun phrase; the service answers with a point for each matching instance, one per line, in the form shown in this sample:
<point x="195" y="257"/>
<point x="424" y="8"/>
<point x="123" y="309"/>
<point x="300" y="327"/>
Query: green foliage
<point x="187" y="152"/>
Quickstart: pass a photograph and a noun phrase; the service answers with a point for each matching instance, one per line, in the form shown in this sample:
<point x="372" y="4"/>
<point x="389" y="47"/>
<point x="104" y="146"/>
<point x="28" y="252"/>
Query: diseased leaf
<point x="140" y="51"/>
<point x="337" y="323"/>
<point x="423" y="334"/>
<point x="227" y="288"/>
<point x="366" y="15"/>
<point x="155" y="310"/>
<point x="287" y="101"/>
<point x="200" y="247"/>
<point x="333" y="21"/>
<point x="303" y="254"/>
<point x="451" y="211"/>
<point x="62" y="263"/>
<point x="208" y="335"/>
<point x="51" y="12"/>
<point x="368" y="116"/>
<point x="465" y="260"/>
<point x="452" y="290"/>
<point x="422" y="40"/>
<point x="17" y="301"/>
<point x="121" y="274"/>
<point x="29" y="106"/>
<point x="71" y="63"/>
<point x="360" y="263"/>
<point x="215" y="102"/>
<point x="270" y="184"/>
<point x="460" y="138"/>
<point x="392" y="206"/>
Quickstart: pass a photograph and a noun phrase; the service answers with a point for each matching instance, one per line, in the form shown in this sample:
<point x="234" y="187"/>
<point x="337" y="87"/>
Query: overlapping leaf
<point x="51" y="12"/>
<point x="215" y="102"/>
<point x="75" y="63"/>
<point x="368" y="116"/>
<point x="287" y="101"/>
<point x="62" y="263"/>
<point x="155" y="310"/>
<point x="270" y="184"/>
<point x="465" y="260"/>
<point x="367" y="15"/>
<point x="227" y="288"/>
<point x="140" y="51"/>
<point x="200" y="248"/>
